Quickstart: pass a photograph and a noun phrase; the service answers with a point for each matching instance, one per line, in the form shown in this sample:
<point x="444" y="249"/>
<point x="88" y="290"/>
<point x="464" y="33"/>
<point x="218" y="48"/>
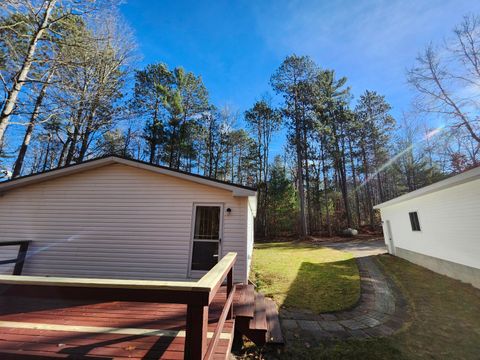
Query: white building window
<point x="414" y="221"/>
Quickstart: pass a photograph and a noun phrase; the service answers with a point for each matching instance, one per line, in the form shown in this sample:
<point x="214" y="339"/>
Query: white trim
<point x="252" y="204"/>
<point x="93" y="164"/>
<point x="245" y="243"/>
<point x="467" y="176"/>
<point x="199" y="273"/>
<point x="391" y="244"/>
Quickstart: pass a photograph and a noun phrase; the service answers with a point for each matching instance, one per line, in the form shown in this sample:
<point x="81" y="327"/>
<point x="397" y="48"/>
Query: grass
<point x="444" y="323"/>
<point x="303" y="276"/>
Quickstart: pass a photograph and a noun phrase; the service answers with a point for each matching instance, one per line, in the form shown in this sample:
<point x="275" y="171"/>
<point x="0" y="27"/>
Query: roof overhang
<point x="467" y="176"/>
<point x="237" y="190"/>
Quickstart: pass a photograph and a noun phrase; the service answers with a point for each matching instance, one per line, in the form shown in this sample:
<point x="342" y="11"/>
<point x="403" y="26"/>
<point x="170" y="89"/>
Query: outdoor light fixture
<point x="229" y="211"/>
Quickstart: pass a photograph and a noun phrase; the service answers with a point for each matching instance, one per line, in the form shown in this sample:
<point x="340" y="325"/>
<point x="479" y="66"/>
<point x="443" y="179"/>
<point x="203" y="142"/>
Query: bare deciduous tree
<point x="448" y="78"/>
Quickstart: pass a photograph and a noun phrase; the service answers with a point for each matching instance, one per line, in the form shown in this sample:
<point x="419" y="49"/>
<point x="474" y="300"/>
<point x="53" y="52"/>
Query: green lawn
<point x="444" y="324"/>
<point x="307" y="277"/>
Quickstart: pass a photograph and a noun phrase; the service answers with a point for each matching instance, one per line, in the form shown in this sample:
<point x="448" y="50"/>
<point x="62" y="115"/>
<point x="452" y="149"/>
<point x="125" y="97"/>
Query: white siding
<point x="116" y="222"/>
<point x="449" y="221"/>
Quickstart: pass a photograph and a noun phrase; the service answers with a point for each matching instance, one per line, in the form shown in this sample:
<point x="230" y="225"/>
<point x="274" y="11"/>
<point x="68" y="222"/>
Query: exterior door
<point x="206" y="238"/>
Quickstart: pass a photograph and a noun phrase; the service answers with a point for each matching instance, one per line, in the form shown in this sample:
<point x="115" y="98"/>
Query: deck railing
<point x="20" y="259"/>
<point x="197" y="295"/>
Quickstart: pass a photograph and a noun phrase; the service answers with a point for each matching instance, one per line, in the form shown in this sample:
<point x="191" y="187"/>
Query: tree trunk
<point x="301" y="190"/>
<point x="342" y="176"/>
<point x="325" y="194"/>
<point x="265" y="169"/>
<point x="28" y="133"/>
<point x="172" y="147"/>
<point x="377" y="171"/>
<point x="88" y="128"/>
<point x="23" y="149"/>
<point x="354" y="176"/>
<point x="73" y="145"/>
<point x="367" y="186"/>
<point x="153" y="150"/>
<point x="47" y="154"/>
<point x="85" y="142"/>
<point x="21" y="77"/>
<point x="344" y="190"/>
<point x="63" y="153"/>
<point x="307" y="177"/>
<point x="86" y="136"/>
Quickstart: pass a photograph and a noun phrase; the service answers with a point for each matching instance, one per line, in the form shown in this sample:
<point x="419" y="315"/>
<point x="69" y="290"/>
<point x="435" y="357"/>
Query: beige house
<point x="118" y="218"/>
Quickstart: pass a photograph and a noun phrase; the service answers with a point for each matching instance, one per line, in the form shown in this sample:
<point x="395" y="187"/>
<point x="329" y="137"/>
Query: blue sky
<point x="236" y="45"/>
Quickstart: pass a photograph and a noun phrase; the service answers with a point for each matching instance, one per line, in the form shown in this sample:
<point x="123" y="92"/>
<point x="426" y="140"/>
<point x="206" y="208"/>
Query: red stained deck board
<point x="21" y="343"/>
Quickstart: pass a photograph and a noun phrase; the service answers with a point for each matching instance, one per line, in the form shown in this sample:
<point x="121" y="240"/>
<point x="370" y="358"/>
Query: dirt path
<point x="360" y="248"/>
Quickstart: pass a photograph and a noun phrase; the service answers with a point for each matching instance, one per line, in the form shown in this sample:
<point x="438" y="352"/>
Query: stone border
<point x="381" y="311"/>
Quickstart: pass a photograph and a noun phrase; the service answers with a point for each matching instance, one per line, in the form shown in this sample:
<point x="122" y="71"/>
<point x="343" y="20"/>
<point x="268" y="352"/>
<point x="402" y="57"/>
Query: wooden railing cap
<point x="205" y="284"/>
<point x="219" y="271"/>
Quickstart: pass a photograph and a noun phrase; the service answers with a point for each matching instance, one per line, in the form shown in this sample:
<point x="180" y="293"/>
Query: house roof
<point x="237" y="190"/>
<point x="465" y="177"/>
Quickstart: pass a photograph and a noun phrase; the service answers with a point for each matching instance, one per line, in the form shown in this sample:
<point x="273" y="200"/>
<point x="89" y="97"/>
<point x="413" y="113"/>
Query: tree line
<point x="71" y="93"/>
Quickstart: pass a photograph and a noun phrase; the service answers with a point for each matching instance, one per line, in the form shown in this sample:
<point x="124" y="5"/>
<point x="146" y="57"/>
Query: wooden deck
<point x="49" y="328"/>
<point x="83" y="318"/>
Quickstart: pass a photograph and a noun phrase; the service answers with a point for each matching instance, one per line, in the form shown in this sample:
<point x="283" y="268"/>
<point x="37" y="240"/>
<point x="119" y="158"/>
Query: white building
<point x="438" y="226"/>
<point x="119" y="218"/>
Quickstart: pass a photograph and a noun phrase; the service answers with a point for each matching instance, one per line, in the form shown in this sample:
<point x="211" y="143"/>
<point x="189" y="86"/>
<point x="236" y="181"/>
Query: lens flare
<point x="427" y="136"/>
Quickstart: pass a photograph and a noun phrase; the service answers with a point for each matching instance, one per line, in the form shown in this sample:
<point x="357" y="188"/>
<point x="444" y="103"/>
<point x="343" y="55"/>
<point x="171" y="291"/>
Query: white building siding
<point x="449" y="221"/>
<point x="116" y="221"/>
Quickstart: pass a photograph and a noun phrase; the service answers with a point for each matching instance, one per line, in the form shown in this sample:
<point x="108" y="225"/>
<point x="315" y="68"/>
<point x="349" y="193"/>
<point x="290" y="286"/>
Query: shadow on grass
<point x="324" y="287"/>
<point x="285" y="245"/>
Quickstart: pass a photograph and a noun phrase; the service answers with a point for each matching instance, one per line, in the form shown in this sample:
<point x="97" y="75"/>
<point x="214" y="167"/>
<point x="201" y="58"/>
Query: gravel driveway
<point x="360" y="248"/>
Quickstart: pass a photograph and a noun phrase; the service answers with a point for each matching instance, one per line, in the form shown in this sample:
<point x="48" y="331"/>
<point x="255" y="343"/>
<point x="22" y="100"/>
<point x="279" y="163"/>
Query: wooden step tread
<point x="245" y="301"/>
<point x="259" y="321"/>
<point x="274" y="331"/>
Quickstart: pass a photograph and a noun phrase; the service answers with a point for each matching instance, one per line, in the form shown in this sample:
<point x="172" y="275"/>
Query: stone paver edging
<point x="380" y="311"/>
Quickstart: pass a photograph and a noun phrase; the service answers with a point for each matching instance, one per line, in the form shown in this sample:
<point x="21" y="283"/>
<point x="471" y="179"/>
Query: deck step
<point x="245" y="302"/>
<point x="256" y="317"/>
<point x="274" y="331"/>
<point x="259" y="321"/>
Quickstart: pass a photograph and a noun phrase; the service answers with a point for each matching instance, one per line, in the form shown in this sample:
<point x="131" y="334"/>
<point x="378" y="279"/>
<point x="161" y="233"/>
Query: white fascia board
<point x="467" y="176"/>
<point x="252" y="203"/>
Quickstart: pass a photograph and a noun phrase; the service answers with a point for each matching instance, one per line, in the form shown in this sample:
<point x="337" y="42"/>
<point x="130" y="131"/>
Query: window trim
<point x="415" y="225"/>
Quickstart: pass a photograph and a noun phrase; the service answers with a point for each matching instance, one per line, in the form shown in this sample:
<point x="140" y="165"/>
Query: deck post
<point x="229" y="290"/>
<point x="22" y="253"/>
<point x="196" y="332"/>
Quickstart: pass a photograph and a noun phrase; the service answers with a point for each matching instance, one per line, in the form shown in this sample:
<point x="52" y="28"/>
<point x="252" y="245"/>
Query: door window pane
<point x="205" y="255"/>
<point x="207" y="223"/>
